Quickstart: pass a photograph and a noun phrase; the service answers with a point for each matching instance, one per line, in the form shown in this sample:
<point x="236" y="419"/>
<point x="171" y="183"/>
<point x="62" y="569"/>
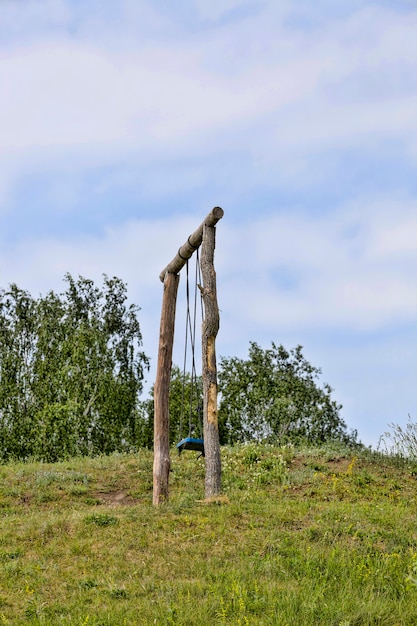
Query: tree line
<point x="72" y="369"/>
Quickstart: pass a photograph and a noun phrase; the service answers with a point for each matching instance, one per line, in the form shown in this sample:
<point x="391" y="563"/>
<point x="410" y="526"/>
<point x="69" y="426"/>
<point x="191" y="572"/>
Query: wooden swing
<point x="195" y="400"/>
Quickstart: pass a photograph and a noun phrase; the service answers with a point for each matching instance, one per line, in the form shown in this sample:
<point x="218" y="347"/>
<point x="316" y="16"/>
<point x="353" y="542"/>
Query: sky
<point x="122" y="124"/>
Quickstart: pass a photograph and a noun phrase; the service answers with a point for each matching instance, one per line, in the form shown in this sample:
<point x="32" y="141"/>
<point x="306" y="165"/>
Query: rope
<point x="190" y="335"/>
<point x="184" y="369"/>
<point x="194" y="387"/>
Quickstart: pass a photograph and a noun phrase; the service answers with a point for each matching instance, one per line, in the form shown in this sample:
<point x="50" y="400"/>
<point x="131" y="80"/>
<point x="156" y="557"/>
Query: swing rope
<point x="190" y="337"/>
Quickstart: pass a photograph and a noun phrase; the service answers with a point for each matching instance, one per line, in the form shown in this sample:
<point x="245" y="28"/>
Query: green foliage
<point x="274" y="396"/>
<point x="71" y="371"/>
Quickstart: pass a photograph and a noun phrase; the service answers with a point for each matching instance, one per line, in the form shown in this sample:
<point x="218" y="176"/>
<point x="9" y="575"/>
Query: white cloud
<point x="29" y="19"/>
<point x="83" y="96"/>
<point x="277" y="98"/>
<point x="353" y="269"/>
<point x="398" y="237"/>
<point x="81" y="93"/>
<point x="217" y="8"/>
<point x="63" y="95"/>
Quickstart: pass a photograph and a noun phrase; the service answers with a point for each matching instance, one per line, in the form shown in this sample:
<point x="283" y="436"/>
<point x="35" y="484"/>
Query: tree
<point x="17" y="345"/>
<point x="71" y="371"/>
<point x="274" y="396"/>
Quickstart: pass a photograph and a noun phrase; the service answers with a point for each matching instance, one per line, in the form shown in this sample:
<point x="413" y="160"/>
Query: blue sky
<point x="122" y="125"/>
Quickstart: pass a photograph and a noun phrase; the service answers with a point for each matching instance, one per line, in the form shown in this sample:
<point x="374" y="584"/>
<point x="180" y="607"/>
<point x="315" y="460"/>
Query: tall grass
<point x="401" y="442"/>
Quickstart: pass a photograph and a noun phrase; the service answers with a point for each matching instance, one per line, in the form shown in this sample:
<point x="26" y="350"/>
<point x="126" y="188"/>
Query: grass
<point x="300" y="537"/>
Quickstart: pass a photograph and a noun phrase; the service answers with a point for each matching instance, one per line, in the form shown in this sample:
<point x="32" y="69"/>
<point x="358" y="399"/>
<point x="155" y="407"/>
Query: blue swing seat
<point x="191" y="443"/>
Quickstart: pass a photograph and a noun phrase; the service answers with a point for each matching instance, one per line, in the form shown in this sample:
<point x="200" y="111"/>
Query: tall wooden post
<point x="162" y="463"/>
<point x="170" y="277"/>
<point x="209" y="333"/>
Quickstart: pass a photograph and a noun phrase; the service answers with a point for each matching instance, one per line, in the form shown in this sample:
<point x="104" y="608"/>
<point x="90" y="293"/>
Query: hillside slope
<point x="301" y="537"/>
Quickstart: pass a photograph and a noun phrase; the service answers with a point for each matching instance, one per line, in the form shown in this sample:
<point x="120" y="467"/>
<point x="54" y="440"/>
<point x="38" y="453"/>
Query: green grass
<point x="301" y="537"/>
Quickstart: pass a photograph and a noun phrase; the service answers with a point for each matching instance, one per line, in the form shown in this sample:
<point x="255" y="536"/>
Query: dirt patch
<point x="338" y="465"/>
<point x="115" y="498"/>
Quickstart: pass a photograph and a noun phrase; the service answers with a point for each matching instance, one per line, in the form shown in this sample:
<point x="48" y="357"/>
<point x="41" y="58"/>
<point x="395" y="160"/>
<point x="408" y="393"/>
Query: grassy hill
<point x="301" y="537"/>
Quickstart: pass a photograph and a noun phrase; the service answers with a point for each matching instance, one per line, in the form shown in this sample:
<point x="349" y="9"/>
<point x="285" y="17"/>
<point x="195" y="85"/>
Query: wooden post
<point x="209" y="333"/>
<point x="170" y="277"/>
<point x="162" y="463"/>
